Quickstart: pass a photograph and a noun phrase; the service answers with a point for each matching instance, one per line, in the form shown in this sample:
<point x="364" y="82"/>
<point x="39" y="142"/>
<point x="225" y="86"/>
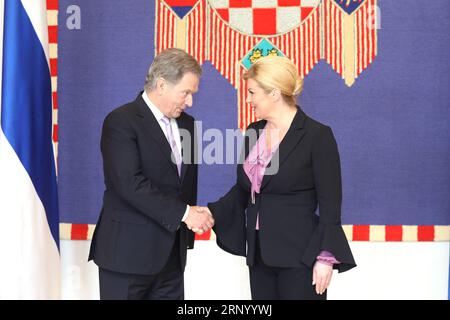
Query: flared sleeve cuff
<point x="230" y="229"/>
<point x="330" y="238"/>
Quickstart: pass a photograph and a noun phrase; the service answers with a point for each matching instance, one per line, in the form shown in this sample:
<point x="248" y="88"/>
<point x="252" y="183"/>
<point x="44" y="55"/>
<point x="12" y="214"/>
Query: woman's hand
<point x="322" y="276"/>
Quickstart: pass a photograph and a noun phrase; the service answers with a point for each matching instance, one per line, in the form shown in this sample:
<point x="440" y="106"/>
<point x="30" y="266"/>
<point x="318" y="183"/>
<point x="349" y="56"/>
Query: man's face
<point x="175" y="98"/>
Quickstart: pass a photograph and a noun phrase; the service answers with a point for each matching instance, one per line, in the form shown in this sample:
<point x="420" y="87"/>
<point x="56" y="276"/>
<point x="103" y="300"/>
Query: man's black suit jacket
<point x="290" y="232"/>
<point x="145" y="199"/>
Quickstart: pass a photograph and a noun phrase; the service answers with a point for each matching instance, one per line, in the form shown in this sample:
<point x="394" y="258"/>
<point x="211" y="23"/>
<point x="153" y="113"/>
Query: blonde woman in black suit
<point x="290" y="168"/>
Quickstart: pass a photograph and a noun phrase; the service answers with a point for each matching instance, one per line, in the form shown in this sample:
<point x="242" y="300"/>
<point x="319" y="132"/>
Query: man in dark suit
<point x="142" y="235"/>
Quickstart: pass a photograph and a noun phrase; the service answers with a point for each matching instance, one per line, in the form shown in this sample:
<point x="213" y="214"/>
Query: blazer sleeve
<point x="329" y="234"/>
<point x="194" y="187"/>
<point x="229" y="216"/>
<point x="123" y="170"/>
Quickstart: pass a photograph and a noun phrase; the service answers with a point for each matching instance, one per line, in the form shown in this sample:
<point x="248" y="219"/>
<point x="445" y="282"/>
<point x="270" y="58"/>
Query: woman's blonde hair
<point x="274" y="72"/>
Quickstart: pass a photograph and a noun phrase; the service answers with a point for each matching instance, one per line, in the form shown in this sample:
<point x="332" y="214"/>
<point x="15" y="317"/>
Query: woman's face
<point x="259" y="100"/>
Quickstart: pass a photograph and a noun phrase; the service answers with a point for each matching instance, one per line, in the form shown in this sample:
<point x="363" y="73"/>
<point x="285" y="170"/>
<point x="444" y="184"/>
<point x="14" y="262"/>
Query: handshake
<point x="199" y="219"/>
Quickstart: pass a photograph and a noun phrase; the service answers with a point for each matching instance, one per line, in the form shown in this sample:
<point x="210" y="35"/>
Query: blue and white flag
<point x="29" y="234"/>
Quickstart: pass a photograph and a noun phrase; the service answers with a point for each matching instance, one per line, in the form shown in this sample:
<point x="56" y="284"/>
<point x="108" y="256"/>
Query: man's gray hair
<point x="171" y="64"/>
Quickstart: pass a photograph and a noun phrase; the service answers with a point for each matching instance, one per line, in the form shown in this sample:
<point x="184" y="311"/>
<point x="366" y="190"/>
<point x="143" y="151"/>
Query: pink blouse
<point x="255" y="165"/>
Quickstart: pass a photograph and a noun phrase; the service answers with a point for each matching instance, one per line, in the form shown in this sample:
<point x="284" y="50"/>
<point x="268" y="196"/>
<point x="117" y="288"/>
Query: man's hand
<point x="199" y="219"/>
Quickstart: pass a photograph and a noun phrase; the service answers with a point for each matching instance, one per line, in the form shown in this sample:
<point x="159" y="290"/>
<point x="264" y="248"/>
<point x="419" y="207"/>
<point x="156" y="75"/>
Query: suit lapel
<point x="152" y="126"/>
<point x="183" y="124"/>
<point x="290" y="141"/>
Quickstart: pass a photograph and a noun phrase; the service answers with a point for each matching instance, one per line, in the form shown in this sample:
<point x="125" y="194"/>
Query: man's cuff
<point x="186" y="213"/>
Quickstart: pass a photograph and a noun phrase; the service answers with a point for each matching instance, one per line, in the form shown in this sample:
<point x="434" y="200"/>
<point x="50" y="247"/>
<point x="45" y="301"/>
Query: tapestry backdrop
<point x="376" y="72"/>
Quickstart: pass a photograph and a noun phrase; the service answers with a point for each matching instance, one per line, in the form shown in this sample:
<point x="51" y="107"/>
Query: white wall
<point x="404" y="270"/>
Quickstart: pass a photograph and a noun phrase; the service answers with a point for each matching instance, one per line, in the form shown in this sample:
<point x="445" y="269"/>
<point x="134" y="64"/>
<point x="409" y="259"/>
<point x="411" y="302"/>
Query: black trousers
<point x="275" y="283"/>
<point x="168" y="284"/>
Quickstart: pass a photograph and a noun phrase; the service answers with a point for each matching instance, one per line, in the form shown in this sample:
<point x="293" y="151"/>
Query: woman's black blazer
<point x="291" y="233"/>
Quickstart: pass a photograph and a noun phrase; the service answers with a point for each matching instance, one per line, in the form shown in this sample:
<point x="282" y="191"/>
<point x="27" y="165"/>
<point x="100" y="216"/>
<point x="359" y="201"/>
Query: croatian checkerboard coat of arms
<point x="233" y="34"/>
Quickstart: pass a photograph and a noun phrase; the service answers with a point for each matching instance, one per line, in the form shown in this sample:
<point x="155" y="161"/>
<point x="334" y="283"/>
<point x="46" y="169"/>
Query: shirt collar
<point x="156" y="112"/>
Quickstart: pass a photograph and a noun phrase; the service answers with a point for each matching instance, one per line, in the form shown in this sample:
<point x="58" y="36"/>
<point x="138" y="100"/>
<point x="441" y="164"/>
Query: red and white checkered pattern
<point x="373" y="233"/>
<point x="264" y="17"/>
<point x="52" y="21"/>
